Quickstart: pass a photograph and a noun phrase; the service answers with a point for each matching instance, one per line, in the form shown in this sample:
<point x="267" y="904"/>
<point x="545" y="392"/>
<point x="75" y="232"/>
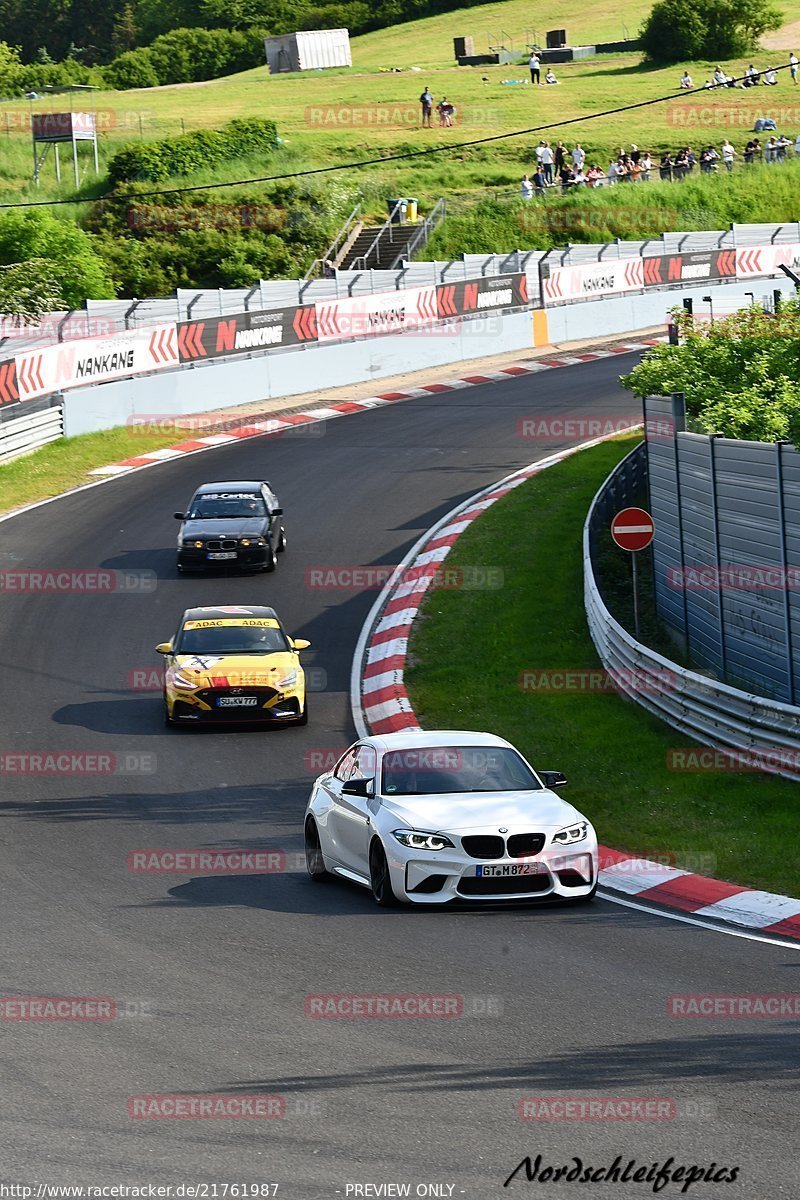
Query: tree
<point x="29" y="289"/>
<point x="29" y="235"/>
<point x="687" y="30"/>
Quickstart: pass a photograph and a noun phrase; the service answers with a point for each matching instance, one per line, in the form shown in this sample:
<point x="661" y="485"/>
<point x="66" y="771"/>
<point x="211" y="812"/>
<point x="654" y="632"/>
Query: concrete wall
<point x="228" y="382"/>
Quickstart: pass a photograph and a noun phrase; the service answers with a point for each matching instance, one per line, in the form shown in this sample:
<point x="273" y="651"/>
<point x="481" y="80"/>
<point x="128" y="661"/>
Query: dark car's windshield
<point x="220" y="506"/>
<point x="422" y="770"/>
<point x="229" y="637"/>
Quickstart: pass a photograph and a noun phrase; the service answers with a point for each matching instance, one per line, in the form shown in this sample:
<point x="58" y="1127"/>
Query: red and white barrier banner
<point x="383" y="312"/>
<point x="767" y="260"/>
<point x="586" y="280"/>
<point x="95" y="360"/>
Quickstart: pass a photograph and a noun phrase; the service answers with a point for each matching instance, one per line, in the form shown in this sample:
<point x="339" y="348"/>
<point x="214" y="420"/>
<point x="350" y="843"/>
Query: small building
<point x="308" y="51"/>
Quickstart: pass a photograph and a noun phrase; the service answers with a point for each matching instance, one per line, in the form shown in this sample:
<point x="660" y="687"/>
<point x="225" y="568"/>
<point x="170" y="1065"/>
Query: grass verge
<point x="66" y="464"/>
<point x="469" y="647"/>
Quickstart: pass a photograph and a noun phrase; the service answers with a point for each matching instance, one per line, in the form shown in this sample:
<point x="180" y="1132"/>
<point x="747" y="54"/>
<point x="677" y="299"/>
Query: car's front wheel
<point x="379" y="879"/>
<point x="281" y="546"/>
<point x="315" y="863"/>
<point x="270" y="561"/>
<point x="169" y="721"/>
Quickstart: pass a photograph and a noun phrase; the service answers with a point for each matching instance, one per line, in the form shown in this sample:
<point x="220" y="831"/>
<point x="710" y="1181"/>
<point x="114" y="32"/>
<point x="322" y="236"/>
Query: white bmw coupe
<point x="437" y="817"/>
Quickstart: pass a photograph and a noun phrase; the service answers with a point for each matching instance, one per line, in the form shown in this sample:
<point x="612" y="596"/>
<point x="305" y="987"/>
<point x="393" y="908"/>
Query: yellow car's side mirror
<point x="301" y="643"/>
<point x="164" y="648"/>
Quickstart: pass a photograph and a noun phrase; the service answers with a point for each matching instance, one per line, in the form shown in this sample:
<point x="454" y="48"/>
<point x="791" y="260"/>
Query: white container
<point x="308" y="51"/>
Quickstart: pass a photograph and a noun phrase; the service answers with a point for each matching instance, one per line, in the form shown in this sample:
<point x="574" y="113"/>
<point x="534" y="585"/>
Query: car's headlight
<point x="415" y="840"/>
<point x="254" y="541"/>
<point x="193" y="543"/>
<point x="572" y="834"/>
<point x="188" y="685"/>
<point x="288" y="681"/>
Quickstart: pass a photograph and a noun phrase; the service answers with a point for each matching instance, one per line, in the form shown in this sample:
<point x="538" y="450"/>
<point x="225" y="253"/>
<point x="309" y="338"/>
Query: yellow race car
<point x="233" y="664"/>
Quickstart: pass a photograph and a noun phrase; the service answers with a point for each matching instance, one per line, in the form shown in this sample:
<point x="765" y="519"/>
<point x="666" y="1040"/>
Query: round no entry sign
<point x="633" y="529"/>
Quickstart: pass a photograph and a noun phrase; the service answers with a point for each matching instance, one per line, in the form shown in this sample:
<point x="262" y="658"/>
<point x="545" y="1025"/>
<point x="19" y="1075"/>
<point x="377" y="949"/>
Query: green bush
<point x="684" y="30"/>
<point x="740" y="376"/>
<point x="153" y="245"/>
<point x="156" y="161"/>
<point x="133" y="69"/>
<point x="38" y="76"/>
<point x="187" y="56"/>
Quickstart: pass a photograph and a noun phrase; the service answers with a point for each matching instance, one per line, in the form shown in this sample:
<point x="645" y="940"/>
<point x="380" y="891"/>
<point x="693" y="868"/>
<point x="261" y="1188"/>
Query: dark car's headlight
<point x="572" y="833"/>
<point x="193" y="543"/>
<point x="253" y="541"/>
<point x="417" y="840"/>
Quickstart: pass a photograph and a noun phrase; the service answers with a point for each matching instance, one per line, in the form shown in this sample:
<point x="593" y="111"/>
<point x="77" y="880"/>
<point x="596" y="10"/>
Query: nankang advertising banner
<point x="490" y="293"/>
<point x="95" y="360"/>
<point x="242" y="333"/>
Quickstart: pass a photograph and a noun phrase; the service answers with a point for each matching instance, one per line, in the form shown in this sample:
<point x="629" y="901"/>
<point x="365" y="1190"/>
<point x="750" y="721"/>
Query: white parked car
<point x="435" y="817"/>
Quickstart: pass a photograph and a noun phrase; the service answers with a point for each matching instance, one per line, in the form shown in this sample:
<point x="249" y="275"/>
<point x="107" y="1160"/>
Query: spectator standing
<point x="426" y="103"/>
<point x="782" y="144"/>
<point x="665" y="167"/>
<point x="797" y="146"/>
<point x="534" y="66"/>
<point x="547" y="162"/>
<point x="526" y="188"/>
<point x="771" y="150"/>
<point x="680" y="167"/>
<point x="578" y="156"/>
<point x="559" y="156"/>
<point x="728" y="155"/>
<point x="646" y="165"/>
<point x="539" y="151"/>
<point x="594" y="175"/>
<point x="793" y="66"/>
<point x="539" y="181"/>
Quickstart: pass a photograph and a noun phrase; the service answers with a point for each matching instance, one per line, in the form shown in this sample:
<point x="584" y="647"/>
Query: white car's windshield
<point x="438" y="770"/>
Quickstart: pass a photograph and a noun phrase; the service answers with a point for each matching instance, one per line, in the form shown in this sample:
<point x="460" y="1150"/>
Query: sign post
<point x="633" y="529"/>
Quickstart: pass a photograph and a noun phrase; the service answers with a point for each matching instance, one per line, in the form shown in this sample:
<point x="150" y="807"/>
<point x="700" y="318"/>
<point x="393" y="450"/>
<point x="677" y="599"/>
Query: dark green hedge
<point x="154" y="162"/>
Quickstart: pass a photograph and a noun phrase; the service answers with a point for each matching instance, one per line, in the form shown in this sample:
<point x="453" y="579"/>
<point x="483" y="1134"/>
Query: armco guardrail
<point x="40" y="372"/>
<point x="730" y="720"/>
<point x="30" y="430"/>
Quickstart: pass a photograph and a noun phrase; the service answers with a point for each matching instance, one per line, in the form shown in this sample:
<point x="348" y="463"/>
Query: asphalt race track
<point x="209" y="974"/>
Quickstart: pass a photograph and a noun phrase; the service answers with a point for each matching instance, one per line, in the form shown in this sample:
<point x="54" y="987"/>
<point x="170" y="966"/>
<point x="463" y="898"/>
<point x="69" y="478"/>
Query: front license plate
<point x="216" y="555"/>
<point x="237" y="701"/>
<point x="510" y="870"/>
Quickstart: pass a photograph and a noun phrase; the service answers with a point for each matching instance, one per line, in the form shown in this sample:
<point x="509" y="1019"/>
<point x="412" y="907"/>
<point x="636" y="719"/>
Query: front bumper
<point x="246" y="558"/>
<point x="445" y="877"/>
<point x="202" y="708"/>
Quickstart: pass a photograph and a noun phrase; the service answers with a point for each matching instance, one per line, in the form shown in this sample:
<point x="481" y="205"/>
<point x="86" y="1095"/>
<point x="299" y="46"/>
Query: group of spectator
<point x="558" y="167"/>
<point x="535" y="68"/>
<point x="445" y="110"/>
<point x="750" y="77"/>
